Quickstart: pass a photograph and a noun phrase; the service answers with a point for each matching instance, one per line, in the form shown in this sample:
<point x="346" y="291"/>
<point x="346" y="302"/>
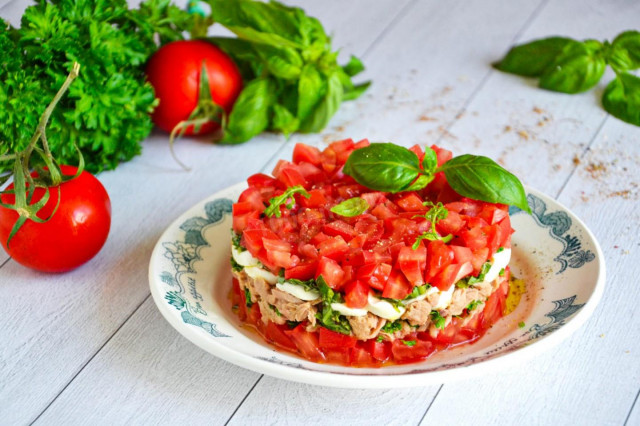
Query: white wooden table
<point x="90" y="347"/>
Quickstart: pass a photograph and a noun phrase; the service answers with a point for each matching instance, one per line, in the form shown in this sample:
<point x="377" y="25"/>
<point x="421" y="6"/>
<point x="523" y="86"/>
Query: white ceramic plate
<point x="553" y="251"/>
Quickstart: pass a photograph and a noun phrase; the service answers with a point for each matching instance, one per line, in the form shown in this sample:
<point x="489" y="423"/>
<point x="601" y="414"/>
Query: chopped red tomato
<point x="331" y="271"/>
<point x="332" y="340"/>
<point x="307" y="343"/>
<point x="397" y="286"/>
<point x="306" y="153"/>
<point x="412" y="263"/>
<point x="356" y="294"/>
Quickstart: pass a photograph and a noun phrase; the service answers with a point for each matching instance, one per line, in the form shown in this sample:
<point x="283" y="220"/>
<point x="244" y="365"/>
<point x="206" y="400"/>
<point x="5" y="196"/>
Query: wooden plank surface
<point x="58" y="323"/>
<point x="90" y="346"/>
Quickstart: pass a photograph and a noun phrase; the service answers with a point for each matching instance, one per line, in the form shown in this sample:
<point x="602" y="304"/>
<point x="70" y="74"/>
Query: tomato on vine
<point x="52" y="218"/>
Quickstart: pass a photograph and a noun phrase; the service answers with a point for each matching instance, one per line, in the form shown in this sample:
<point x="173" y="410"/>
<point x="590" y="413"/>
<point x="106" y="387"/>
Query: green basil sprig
<point x="570" y="66"/>
<point x="352" y="207"/>
<point x="286" y="198"/>
<point x="392" y="168"/>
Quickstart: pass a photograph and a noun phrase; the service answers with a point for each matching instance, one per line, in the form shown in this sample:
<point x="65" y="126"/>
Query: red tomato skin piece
<point x="76" y="232"/>
<point x="174" y="72"/>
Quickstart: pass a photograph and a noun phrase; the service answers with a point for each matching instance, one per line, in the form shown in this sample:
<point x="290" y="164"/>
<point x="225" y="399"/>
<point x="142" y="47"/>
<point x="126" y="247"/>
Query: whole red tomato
<point x="76" y="232"/>
<point x="174" y="72"/>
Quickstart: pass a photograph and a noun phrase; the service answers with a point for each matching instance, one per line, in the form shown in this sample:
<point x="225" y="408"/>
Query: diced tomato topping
<point x="411" y="349"/>
<point x="316" y="199"/>
<point x="397" y="286"/>
<point x="303" y="271"/>
<point x="381" y="351"/>
<point x="290" y="176"/>
<point x="506" y="232"/>
<point x="356" y="294"/>
<point x="410" y="202"/>
<point x="451" y="274"/>
<point x="375" y="274"/>
<point x="443" y="155"/>
<point x="412" y="263"/>
<point x="339" y="228"/>
<point x="451" y="224"/>
<point x="277" y="334"/>
<point x="361" y="144"/>
<point x="439" y="255"/>
<point x="334" y="248"/>
<point x="478" y="259"/>
<point x="306" y="153"/>
<point x="474" y="238"/>
<point x="331" y="271"/>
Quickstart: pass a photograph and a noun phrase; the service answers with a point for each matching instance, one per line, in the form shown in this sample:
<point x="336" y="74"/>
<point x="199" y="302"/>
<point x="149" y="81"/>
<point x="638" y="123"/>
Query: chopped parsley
<point x="273" y="308"/>
<point x="438" y="320"/>
<point x="235" y="265"/>
<point x="235" y="240"/>
<point x="469" y="281"/>
<point x="409" y="342"/>
<point x="521" y="324"/>
<point x="397" y="304"/>
<point x="418" y="291"/>
<point x="328" y="317"/>
<point x="436" y="213"/>
<point x="500" y="249"/>
<point x="380" y="339"/>
<point x="392" y="327"/>
<point x="501" y="273"/>
<point x="471" y="306"/>
<point x="309" y="285"/>
<point x="247" y="296"/>
<point x="292" y="324"/>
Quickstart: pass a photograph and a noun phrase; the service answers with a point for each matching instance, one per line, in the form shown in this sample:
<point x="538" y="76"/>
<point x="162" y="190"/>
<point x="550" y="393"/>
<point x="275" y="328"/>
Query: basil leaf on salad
<point x="383" y="167"/>
<point x="621" y="98"/>
<point x="481" y="178"/>
<point x="286" y="198"/>
<point x="350" y="208"/>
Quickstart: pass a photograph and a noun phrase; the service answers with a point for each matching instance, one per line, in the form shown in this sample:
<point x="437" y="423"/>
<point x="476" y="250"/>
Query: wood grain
<point x="147" y="360"/>
<point x="56" y="324"/>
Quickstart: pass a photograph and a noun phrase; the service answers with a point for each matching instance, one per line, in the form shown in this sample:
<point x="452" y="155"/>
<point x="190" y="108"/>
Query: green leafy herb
<point x="396" y="303"/>
<point x="392" y="168"/>
<point x="500" y="249"/>
<point x="409" y="342"/>
<point x="481" y="178"/>
<point x="290" y="50"/>
<point x="292" y="324"/>
<point x="571" y="66"/>
<point x="435" y="213"/>
<point x="247" y="296"/>
<point x="235" y="265"/>
<point x="501" y="273"/>
<point x="309" y="285"/>
<point x="273" y="308"/>
<point x="621" y="98"/>
<point x="521" y="324"/>
<point x="380" y="339"/>
<point x="437" y="319"/>
<point x="285" y="199"/>
<point x="469" y="281"/>
<point x="417" y="291"/>
<point x="383" y="167"/>
<point x="235" y="240"/>
<point x="471" y="306"/>
<point x="352" y="207"/>
<point x="328" y="317"/>
<point x="392" y="327"/>
<point x="106" y="112"/>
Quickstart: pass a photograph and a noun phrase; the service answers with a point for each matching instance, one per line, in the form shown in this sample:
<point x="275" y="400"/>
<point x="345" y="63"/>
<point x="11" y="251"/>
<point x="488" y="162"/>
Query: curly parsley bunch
<point x="106" y="112"/>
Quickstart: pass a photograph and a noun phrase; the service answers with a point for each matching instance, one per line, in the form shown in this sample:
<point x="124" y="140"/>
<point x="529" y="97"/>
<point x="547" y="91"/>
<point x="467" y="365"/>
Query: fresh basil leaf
<point x="438" y="320"/>
<point x="352" y="207"/>
<point x="392" y="327"/>
<point x="283" y="120"/>
<point x="481" y="178"/>
<point x="329" y="104"/>
<point x="355" y="91"/>
<point x="621" y="98"/>
<point x="258" y="22"/>
<point x="625" y="51"/>
<point x="383" y="167"/>
<point x="309" y="285"/>
<point x="421" y="182"/>
<point x="533" y="58"/>
<point x="311" y="88"/>
<point x="250" y="114"/>
<point x="284" y="62"/>
<point x="579" y="67"/>
<point x="353" y="67"/>
<point x="430" y="161"/>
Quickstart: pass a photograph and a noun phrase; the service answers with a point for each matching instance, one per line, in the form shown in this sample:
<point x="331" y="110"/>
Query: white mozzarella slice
<point x="345" y="310"/>
<point x="298" y="291"/>
<point x="243" y="258"/>
<point x="384" y="309"/>
<point x="257" y="272"/>
<point x="500" y="261"/>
